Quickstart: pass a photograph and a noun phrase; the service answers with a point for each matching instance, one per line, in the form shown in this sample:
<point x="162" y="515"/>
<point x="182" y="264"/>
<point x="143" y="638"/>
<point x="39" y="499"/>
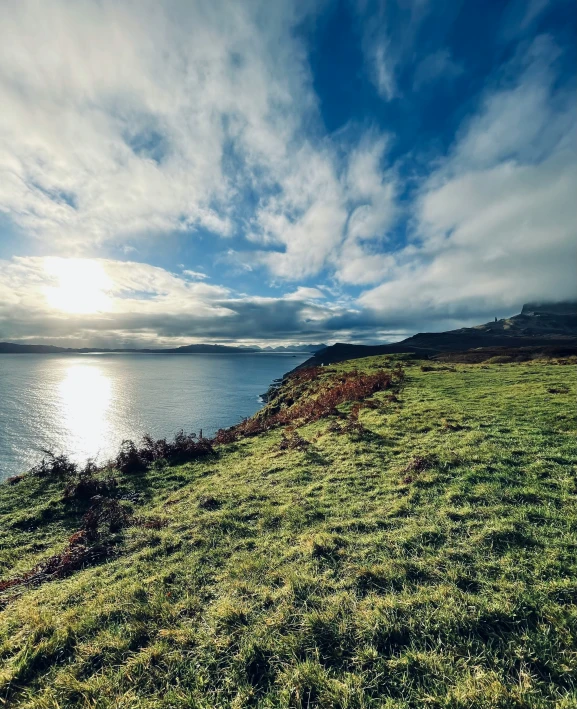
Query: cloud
<point x="495" y="221"/>
<point x="384" y="66"/>
<point x="533" y="9"/>
<point x="303" y="293"/>
<point x="520" y="15"/>
<point x="328" y="212"/>
<point x="118" y="121"/>
<point x="119" y="124"/>
<point x="146" y="305"/>
<point x="389" y="31"/>
<point x="305" y="218"/>
<point x="122" y="122"/>
<point x="438" y="66"/>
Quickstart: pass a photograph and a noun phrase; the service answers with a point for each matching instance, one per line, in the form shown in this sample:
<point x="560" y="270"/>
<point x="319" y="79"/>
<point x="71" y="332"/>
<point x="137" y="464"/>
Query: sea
<point x="86" y="405"/>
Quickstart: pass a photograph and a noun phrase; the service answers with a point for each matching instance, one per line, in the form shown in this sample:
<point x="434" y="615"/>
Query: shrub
<point x="54" y="466"/>
<point x="128" y="459"/>
<point x="14" y="479"/>
<point x="134" y="458"/>
<point x="85" y="547"/>
<point x="106" y="516"/>
<point x="77" y="555"/>
<point x="86" y="485"/>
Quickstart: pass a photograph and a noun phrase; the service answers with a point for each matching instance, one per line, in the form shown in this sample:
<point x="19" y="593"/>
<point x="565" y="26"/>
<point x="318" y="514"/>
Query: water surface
<point x="85" y="405"/>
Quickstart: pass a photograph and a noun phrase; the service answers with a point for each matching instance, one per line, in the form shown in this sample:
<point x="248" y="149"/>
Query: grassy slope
<point x="328" y="577"/>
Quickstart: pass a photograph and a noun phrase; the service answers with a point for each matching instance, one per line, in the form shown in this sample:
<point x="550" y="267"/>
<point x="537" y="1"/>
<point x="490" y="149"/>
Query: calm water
<point x="85" y="405"/>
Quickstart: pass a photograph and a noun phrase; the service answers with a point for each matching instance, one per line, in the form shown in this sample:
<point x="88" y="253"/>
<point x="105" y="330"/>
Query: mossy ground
<point x="428" y="560"/>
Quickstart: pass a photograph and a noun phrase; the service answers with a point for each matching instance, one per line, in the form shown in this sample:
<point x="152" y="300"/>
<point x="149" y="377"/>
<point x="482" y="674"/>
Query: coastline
<point x="86" y="406"/>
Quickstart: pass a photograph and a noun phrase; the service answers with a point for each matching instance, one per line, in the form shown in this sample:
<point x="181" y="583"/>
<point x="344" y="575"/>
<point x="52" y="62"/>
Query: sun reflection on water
<point x="85" y="395"/>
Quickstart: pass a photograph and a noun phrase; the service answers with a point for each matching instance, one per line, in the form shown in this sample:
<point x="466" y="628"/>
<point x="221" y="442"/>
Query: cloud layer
<point x="144" y="305"/>
<point x="495" y="221"/>
<point x="126" y="122"/>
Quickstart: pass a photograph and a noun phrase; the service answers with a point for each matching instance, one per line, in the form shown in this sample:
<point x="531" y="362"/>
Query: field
<point x="416" y="550"/>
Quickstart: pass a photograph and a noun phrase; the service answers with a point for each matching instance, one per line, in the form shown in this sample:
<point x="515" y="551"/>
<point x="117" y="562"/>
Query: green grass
<point x="428" y="559"/>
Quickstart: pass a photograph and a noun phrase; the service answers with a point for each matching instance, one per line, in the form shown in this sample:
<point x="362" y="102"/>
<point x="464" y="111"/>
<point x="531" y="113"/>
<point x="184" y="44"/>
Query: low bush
<point x="208" y="502"/>
<point x="89" y="545"/>
<point x="14" y="479"/>
<point x="54" y="466"/>
<point x="85" y="484"/>
<point x="128" y="459"/>
<point x="133" y="458"/>
<point x="106" y="516"/>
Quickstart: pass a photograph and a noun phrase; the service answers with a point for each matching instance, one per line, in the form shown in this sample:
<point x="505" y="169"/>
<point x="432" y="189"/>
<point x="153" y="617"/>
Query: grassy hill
<point x="547" y="329"/>
<point x="376" y="537"/>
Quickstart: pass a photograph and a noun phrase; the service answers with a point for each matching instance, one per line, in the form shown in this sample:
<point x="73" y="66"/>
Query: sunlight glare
<point x="82" y="285"/>
<point x="85" y="397"/>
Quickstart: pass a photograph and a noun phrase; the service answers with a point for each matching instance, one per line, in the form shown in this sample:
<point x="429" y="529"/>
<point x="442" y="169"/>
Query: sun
<point x="82" y="285"/>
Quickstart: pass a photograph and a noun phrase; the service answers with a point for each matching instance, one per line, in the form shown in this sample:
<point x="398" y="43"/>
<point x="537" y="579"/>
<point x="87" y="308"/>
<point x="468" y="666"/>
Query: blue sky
<point x="175" y="172"/>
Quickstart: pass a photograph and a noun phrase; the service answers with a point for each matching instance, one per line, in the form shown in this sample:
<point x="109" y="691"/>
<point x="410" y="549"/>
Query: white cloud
<point x="306" y="218"/>
<point x="533" y="9"/>
<point x="389" y="38"/>
<point x="495" y="223"/>
<point x="116" y="118"/>
<point x="122" y="119"/>
<point x="384" y="67"/>
<point x="118" y="123"/>
<point x="303" y="293"/>
<point x="327" y="211"/>
<point x="371" y="188"/>
<point x="131" y="288"/>
<point x="525" y="121"/>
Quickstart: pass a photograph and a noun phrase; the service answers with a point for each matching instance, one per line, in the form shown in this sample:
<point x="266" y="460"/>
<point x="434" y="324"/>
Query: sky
<point x="181" y="171"/>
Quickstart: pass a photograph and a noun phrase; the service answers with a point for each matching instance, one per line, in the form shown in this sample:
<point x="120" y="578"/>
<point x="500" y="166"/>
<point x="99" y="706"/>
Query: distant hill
<point x="294" y="348"/>
<point x="537" y="325"/>
<point x="204" y="349"/>
<point x="13" y="348"/>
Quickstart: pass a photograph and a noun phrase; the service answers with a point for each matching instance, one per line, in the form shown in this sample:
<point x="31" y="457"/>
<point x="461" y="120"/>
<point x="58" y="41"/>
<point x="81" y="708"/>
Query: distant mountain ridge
<point x="537" y="325"/>
<point x="16" y="348"/>
<point x="294" y="348"/>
